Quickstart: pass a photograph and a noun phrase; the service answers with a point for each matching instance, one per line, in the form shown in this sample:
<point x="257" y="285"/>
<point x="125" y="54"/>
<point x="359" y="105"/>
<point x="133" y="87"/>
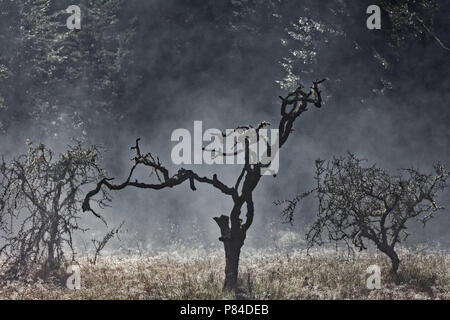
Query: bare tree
<point x="360" y="204"/>
<point x="99" y="245"/>
<point x="232" y="228"/>
<point x="40" y="198"/>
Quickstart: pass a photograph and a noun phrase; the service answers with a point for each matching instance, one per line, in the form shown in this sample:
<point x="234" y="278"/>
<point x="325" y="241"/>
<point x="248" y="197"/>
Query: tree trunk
<point x="233" y="240"/>
<point x="232" y="253"/>
<point x="395" y="260"/>
<point x="395" y="264"/>
<point x="52" y="245"/>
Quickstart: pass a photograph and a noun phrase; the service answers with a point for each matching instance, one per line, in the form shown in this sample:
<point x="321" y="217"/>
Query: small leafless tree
<point x="232" y="228"/>
<point x="40" y="200"/>
<point x="99" y="245"/>
<point x="360" y="204"/>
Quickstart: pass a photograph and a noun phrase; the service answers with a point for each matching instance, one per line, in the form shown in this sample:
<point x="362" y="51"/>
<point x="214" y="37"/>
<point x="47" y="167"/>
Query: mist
<point x="192" y="61"/>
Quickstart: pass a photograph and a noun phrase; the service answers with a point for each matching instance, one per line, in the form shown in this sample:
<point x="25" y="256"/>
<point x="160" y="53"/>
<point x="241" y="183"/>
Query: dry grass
<point x="294" y="275"/>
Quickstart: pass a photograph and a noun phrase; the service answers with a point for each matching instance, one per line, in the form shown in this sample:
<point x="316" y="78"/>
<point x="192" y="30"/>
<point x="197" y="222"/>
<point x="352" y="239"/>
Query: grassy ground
<point x="294" y="275"/>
